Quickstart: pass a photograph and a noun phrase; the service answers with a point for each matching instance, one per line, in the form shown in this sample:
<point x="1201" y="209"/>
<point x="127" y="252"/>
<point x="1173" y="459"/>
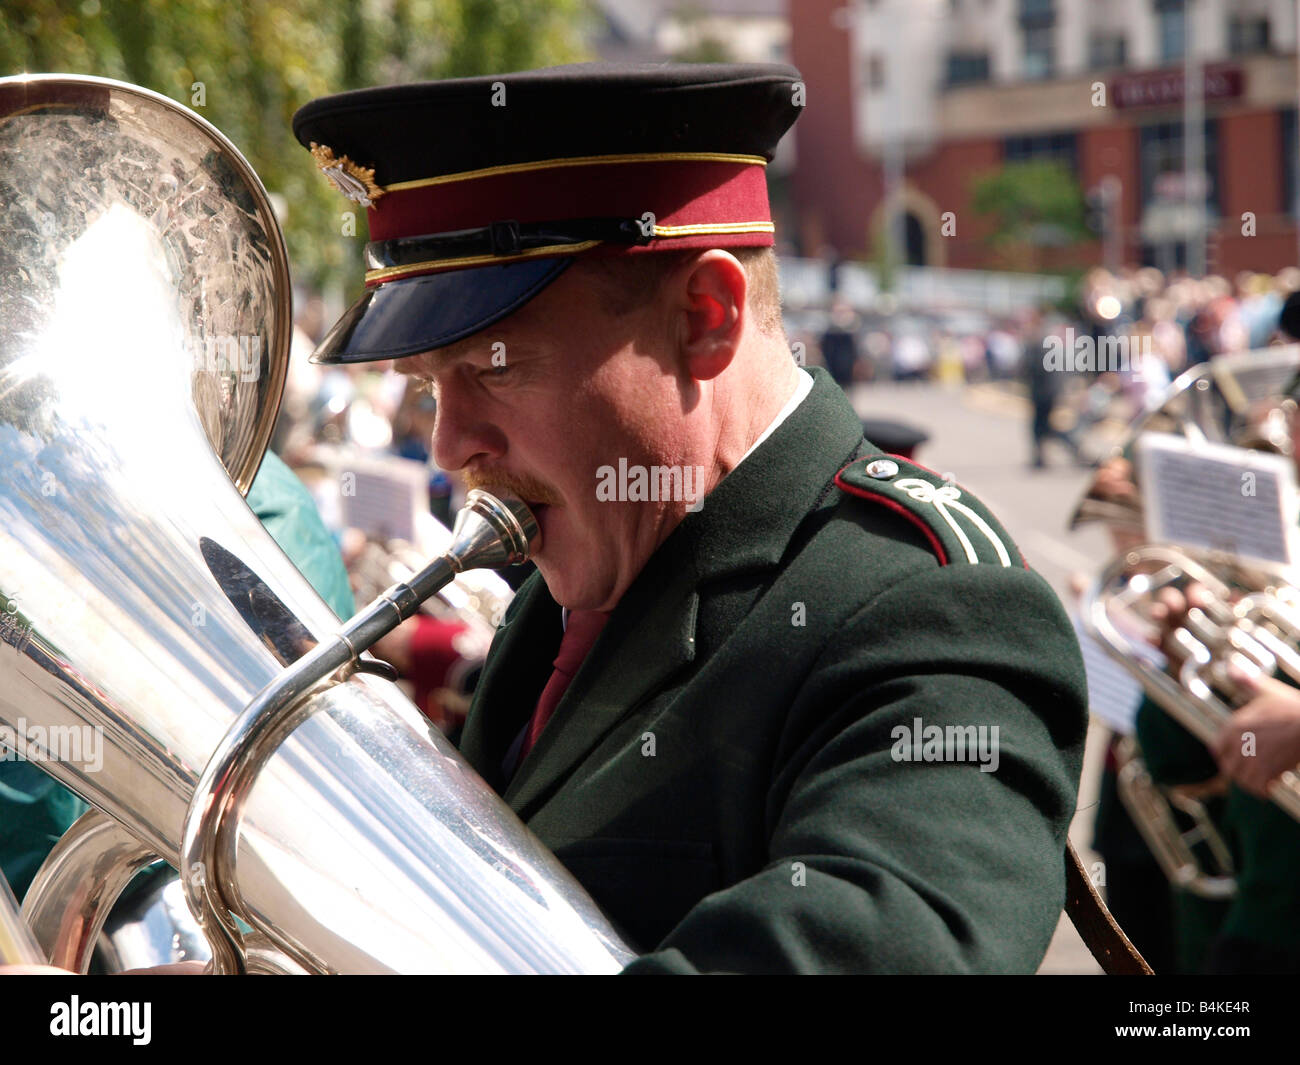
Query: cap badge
<point x="357" y="183"/>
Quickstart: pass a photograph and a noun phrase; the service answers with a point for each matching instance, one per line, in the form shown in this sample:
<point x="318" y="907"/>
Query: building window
<point x="1290" y="146"/>
<point x="876" y="72"/>
<point x="968" y="68"/>
<point x="1165" y="227"/>
<point x="1037" y="11"/>
<point x="1060" y="148"/>
<point x="1247" y="35"/>
<point x="914" y="244"/>
<point x="1106" y="51"/>
<point x="1040" y="52"/>
<point x="1171" y="25"/>
<point x="1161" y="156"/>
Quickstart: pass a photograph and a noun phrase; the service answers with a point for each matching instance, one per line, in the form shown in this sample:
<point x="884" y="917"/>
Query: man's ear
<point x="710" y="292"/>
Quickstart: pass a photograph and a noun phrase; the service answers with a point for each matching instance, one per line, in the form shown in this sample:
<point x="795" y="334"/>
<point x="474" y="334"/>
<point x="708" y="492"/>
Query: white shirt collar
<point x="801" y="391"/>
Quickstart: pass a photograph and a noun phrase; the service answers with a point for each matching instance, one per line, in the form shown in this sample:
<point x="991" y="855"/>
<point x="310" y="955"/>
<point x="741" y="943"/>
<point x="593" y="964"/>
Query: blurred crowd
<point x="1166" y="323"/>
<point x="1188" y="321"/>
<point x="1177" y="320"/>
<point x="341" y="420"/>
<point x="367" y="407"/>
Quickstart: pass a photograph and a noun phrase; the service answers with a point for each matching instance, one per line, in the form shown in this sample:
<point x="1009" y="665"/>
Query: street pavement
<point x="980" y="434"/>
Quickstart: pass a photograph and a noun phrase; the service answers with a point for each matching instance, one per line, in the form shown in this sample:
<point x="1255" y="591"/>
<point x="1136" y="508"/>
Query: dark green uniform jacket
<point x="725" y="774"/>
<point x="1264" y="839"/>
<point x="35" y="809"/>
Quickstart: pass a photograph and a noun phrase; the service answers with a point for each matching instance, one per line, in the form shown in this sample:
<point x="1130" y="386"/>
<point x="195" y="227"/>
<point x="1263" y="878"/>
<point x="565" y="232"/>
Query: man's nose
<point x="462" y="432"/>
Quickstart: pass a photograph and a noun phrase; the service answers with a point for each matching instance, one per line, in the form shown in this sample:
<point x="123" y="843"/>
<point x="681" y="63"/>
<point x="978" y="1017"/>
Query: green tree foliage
<point x="1030" y="206"/>
<point x="246" y="66"/>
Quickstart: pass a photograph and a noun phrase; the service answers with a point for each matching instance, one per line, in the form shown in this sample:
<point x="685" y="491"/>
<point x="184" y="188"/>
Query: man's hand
<point x="395" y="648"/>
<point x="1113" y="481"/>
<point x="1169" y="613"/>
<point x="1262" y="739"/>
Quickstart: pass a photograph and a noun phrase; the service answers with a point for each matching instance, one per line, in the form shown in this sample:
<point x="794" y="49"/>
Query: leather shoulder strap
<point x="1114" y="951"/>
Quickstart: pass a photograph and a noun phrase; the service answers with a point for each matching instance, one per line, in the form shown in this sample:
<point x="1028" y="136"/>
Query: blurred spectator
<point x="1044" y="390"/>
<point x="1002" y="352"/>
<point x="950" y="368"/>
<point x="910" y="356"/>
<point x="876" y="346"/>
<point x="1261" y="303"/>
<point x="840" y="343"/>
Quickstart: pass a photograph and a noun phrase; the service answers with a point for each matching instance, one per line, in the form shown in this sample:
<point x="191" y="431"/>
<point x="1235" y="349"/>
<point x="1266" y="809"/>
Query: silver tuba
<point x="158" y="652"/>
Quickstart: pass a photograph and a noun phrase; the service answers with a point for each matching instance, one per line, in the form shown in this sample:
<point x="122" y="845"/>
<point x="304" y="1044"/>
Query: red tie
<point x="580" y="633"/>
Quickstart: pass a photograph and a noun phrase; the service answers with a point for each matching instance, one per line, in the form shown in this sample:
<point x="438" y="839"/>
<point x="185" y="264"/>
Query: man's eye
<point x="494" y="371"/>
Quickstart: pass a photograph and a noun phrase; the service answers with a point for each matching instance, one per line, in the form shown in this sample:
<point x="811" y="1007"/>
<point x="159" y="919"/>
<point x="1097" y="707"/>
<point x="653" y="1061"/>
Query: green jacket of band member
<point x="723" y="776"/>
<point x="1264" y="839"/>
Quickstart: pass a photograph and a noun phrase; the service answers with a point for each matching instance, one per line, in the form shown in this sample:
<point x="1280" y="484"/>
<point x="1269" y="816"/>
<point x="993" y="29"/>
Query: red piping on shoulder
<point x="1023" y="560"/>
<point x="897" y="508"/>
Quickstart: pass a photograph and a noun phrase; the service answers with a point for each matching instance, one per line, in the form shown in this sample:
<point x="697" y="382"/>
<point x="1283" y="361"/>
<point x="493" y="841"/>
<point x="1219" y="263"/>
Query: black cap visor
<point x="416" y="314"/>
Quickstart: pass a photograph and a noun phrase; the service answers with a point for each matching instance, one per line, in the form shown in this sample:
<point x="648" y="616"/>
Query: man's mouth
<point x="539" y="497"/>
<point x="540" y="510"/>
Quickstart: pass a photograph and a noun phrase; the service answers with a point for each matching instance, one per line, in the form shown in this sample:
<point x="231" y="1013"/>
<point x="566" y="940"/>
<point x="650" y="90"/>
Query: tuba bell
<point x="158" y="652"/>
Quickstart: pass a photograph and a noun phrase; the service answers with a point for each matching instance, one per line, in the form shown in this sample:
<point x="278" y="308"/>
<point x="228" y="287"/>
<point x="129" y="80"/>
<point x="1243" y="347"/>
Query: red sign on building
<point x="1165" y="88"/>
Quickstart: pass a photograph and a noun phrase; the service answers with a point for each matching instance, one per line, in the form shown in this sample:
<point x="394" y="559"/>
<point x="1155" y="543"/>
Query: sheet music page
<point x="1220" y="498"/>
<point x="1113" y="693"/>
<point x="382" y="496"/>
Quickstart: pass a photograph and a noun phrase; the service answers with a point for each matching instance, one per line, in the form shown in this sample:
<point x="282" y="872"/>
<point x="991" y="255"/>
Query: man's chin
<point x="561" y="590"/>
<point x="568" y="588"/>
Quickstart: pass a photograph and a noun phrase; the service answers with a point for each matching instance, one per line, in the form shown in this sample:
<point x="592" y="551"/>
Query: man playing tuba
<point x="779" y="701"/>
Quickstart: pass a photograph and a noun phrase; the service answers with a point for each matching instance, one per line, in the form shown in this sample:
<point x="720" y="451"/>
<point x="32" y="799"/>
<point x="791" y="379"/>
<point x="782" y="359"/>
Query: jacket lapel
<point x="650" y="636"/>
<point x="745" y="525"/>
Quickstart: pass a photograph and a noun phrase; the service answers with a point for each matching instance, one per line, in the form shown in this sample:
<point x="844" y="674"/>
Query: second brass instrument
<point x="1253" y="618"/>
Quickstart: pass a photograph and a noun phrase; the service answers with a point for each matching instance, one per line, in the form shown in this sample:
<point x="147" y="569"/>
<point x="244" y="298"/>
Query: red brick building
<point x="958" y="88"/>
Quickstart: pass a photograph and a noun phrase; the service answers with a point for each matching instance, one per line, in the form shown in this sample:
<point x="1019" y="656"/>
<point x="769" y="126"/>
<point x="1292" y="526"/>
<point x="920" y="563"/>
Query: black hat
<point x="894" y="438"/>
<point x="480" y="191"/>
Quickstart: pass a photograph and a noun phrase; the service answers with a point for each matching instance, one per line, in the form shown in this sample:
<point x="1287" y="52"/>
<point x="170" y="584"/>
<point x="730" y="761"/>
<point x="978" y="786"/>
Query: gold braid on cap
<point x="357" y="183"/>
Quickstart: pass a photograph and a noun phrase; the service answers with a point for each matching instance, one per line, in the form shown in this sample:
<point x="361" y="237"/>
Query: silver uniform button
<point x="882" y="469"/>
